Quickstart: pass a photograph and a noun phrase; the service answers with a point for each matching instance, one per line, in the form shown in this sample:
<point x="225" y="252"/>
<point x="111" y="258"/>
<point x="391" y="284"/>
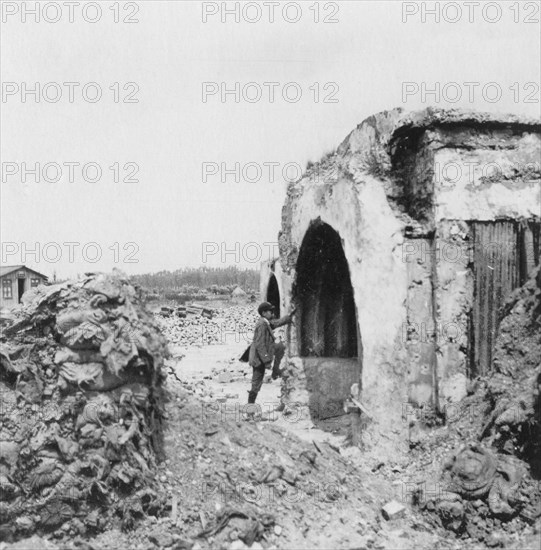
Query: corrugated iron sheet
<point x="504" y="255"/>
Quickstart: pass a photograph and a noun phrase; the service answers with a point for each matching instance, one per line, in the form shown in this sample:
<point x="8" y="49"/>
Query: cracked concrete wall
<point x="419" y="328"/>
<point x="390" y="192"/>
<point x="488" y="179"/>
<point x="476" y="176"/>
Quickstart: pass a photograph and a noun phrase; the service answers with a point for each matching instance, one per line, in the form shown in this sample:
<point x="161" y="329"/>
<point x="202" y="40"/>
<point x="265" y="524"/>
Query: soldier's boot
<point x="250" y="409"/>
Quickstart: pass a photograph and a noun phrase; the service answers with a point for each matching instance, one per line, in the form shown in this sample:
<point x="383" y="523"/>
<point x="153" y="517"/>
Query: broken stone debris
<point x="234" y="324"/>
<point x="232" y="371"/>
<point x="81" y="370"/>
<point x="393" y="510"/>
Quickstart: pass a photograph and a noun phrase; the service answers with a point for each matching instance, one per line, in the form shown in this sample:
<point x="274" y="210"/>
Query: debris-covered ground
<point x="282" y="483"/>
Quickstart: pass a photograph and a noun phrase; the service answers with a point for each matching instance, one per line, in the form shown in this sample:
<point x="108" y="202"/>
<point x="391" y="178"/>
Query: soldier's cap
<point x="264" y="306"/>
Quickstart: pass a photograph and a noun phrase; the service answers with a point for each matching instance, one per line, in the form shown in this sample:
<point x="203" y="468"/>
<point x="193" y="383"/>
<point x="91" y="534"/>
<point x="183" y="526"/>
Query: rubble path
<point x="210" y="368"/>
<point x="297" y="486"/>
<point x="241" y="485"/>
<point x="216" y="376"/>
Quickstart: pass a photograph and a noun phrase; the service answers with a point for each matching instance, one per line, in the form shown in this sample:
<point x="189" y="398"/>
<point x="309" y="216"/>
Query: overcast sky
<point x="166" y="141"/>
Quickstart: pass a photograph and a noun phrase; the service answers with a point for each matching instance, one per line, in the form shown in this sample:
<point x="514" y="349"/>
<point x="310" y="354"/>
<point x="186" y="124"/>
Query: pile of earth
<point x="81" y="373"/>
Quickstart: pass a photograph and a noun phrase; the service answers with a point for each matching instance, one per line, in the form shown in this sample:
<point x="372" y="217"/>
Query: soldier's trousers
<point x="257" y="381"/>
<point x="258" y="373"/>
<point x="279" y="351"/>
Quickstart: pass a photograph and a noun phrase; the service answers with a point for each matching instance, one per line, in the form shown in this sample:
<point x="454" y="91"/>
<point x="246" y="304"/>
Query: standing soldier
<point x="264" y="349"/>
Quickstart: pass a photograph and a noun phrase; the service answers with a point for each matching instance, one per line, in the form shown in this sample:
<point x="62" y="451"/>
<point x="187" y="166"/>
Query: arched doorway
<point x="328" y="325"/>
<point x="273" y="294"/>
<point x="327" y="336"/>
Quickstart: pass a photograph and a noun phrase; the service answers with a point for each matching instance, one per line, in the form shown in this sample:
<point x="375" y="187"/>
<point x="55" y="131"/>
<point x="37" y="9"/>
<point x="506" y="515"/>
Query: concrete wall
<point x="475" y="175"/>
<point x="419" y="331"/>
<point x="490" y="179"/>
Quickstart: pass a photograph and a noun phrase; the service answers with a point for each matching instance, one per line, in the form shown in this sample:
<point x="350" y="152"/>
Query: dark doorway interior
<point x="273" y="295"/>
<point x="324" y="293"/>
<point x="20" y="288"/>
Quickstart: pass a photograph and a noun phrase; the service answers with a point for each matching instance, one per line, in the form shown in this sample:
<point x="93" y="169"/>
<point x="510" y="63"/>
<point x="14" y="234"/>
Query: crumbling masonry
<point x="399" y="249"/>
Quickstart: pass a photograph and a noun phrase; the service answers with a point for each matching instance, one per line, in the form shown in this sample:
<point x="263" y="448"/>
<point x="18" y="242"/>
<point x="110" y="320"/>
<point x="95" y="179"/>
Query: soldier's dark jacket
<point x="262" y="348"/>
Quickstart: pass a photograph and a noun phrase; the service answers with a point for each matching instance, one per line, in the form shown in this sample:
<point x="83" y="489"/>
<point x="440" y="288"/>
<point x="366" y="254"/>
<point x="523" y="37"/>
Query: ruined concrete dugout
<point x="398" y="249"/>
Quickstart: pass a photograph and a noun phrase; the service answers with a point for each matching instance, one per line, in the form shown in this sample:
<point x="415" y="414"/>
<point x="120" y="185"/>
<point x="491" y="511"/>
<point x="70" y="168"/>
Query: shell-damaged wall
<point x="402" y="191"/>
<point x="458" y="172"/>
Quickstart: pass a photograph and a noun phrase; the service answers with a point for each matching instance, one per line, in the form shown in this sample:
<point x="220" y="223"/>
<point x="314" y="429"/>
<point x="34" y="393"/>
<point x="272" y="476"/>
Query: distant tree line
<point x="216" y="280"/>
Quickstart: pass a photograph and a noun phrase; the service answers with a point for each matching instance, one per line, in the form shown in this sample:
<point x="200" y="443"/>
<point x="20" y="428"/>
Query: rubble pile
<point x="81" y="423"/>
<point x="514" y="424"/>
<point x="491" y="481"/>
<point x="228" y="325"/>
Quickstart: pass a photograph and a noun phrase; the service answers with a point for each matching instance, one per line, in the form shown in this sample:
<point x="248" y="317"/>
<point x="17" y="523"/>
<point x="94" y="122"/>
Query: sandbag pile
<point x="81" y="371"/>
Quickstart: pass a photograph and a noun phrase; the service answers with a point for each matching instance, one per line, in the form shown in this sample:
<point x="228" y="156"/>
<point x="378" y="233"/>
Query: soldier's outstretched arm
<point x="285" y="320"/>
